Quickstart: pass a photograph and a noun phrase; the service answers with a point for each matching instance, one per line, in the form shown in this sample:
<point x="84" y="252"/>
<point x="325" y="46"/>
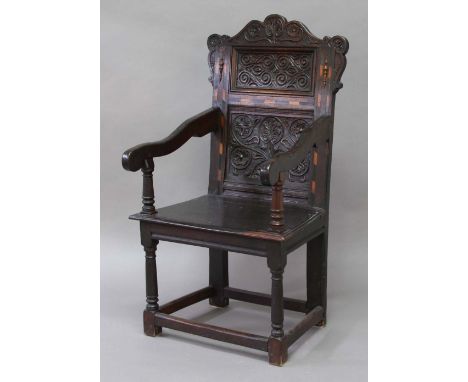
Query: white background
<point x="153" y="76"/>
<point x="49" y="281"/>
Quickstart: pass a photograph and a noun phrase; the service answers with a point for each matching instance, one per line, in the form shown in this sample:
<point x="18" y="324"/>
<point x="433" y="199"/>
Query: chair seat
<point x="235" y="216"/>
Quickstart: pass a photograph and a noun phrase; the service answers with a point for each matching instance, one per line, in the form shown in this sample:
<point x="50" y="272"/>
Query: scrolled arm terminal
<point x="318" y="133"/>
<point x="207" y="121"/>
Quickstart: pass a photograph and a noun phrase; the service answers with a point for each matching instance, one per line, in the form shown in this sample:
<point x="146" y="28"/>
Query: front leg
<point x="152" y="299"/>
<point x="277" y="348"/>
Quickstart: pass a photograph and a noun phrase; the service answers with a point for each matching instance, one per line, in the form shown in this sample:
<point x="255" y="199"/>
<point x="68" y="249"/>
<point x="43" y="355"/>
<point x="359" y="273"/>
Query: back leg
<point x="317" y="274"/>
<point x="219" y="276"/>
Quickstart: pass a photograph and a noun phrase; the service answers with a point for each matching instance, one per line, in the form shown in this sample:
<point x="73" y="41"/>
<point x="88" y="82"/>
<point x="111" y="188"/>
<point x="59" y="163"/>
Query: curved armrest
<point x="207" y="121"/>
<point x="318" y="133"/>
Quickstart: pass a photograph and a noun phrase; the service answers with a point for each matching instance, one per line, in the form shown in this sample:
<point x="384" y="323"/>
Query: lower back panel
<point x="254" y="137"/>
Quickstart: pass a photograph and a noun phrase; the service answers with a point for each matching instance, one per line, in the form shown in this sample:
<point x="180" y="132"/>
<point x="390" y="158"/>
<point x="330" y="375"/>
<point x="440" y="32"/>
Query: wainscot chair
<point x="271" y="125"/>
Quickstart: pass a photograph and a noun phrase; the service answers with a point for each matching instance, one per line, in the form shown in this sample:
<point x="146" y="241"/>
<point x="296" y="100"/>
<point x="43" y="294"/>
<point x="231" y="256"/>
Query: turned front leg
<point x="152" y="305"/>
<point x="277" y="348"/>
<point x="277" y="311"/>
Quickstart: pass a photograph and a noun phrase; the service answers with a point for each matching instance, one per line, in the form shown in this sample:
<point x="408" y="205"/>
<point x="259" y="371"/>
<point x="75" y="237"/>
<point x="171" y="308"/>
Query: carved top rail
<point x="277" y="32"/>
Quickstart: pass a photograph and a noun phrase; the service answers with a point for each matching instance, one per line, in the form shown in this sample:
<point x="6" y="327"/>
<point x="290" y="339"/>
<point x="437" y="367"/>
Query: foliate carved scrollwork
<point x="300" y="172"/>
<point x="255" y="139"/>
<point x="274" y="71"/>
<point x="275" y="30"/>
<point x="340" y="45"/>
<point x="213" y="42"/>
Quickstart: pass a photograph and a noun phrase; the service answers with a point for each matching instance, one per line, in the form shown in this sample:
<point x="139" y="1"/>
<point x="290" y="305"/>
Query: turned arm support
<point x="207" y="121"/>
<point x="271" y="173"/>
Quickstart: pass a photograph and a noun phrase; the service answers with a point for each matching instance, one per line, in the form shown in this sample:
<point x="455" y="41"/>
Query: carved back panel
<point x="271" y="80"/>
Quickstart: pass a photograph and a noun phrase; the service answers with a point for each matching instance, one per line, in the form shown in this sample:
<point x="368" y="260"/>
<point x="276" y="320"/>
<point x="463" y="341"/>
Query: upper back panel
<point x="271" y="81"/>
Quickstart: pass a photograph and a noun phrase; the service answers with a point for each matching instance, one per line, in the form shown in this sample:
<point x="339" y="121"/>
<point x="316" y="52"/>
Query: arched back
<point x="271" y="81"/>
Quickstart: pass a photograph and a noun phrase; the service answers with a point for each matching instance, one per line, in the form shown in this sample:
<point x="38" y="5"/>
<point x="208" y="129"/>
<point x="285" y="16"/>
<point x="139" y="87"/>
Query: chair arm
<point x="207" y="121"/>
<point x="318" y="133"/>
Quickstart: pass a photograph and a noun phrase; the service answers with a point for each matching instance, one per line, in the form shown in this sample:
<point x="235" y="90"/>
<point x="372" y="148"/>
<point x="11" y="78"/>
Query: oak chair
<point x="271" y="125"/>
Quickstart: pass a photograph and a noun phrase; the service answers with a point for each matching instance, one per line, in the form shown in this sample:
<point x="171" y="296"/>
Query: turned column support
<point x="277" y="346"/>
<point x="276" y="265"/>
<point x="148" y="188"/>
<point x="277" y="208"/>
<point x="151" y="278"/>
<point x="277" y="311"/>
<point x="151" y="275"/>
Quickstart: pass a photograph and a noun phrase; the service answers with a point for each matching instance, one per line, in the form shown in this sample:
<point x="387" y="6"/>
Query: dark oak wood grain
<point x="271" y="125"/>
